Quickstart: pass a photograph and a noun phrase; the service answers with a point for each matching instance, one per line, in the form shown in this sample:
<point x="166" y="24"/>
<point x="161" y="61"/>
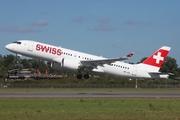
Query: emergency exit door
<point x="30" y="46"/>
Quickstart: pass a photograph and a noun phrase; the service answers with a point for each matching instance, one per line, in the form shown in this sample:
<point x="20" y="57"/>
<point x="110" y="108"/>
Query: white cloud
<point x="103" y="28"/>
<point x="103" y="20"/>
<point x="41" y="23"/>
<point x="20" y="30"/>
<point x="131" y="22"/>
<point x="17" y="29"/>
<point x="78" y="19"/>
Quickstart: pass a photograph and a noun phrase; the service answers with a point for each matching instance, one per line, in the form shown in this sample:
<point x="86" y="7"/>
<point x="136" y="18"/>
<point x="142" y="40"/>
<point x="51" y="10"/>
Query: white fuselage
<point x="50" y="53"/>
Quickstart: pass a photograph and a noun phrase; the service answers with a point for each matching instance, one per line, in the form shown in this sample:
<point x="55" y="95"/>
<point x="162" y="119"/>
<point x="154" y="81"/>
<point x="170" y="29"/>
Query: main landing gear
<point x="86" y="76"/>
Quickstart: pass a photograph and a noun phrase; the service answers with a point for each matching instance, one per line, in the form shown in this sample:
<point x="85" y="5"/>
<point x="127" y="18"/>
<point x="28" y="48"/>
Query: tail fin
<point x="158" y="58"/>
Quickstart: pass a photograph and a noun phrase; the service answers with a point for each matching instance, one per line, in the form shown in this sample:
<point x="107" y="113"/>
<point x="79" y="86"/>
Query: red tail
<point x="157" y="59"/>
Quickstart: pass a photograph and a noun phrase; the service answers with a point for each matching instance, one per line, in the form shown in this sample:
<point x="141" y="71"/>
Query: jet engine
<point x="62" y="63"/>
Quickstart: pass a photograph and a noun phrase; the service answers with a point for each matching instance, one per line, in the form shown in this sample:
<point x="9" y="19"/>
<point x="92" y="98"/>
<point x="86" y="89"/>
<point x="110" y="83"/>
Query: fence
<point x="89" y="86"/>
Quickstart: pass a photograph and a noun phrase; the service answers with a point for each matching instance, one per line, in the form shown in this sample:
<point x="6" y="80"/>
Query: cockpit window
<point x="17" y="42"/>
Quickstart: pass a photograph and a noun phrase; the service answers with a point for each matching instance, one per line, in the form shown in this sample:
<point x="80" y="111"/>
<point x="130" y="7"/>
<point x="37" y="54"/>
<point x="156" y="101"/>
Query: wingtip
<point x="130" y="54"/>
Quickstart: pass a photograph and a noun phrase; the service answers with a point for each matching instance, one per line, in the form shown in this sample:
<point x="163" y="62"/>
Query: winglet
<point x="130" y="55"/>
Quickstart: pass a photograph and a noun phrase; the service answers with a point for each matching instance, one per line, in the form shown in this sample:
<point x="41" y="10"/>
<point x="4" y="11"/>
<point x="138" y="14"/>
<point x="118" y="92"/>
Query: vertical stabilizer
<point x="158" y="58"/>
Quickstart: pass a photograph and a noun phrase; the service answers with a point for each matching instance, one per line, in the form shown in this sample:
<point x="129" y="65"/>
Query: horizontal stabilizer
<point x="161" y="73"/>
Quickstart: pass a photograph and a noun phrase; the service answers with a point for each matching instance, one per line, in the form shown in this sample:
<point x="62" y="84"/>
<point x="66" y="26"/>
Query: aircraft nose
<point x="8" y="47"/>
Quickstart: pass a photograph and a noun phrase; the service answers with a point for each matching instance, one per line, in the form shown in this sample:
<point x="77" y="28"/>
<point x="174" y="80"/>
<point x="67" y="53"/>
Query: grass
<point x="89" y="109"/>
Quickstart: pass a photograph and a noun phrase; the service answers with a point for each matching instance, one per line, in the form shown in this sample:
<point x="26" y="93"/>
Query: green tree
<point x="42" y="66"/>
<point x="144" y="58"/>
<point x="26" y="63"/>
<point x="170" y="65"/>
<point x="1" y="65"/>
<point x="178" y="71"/>
<point x="9" y="62"/>
<point x="39" y="64"/>
<point x="17" y="62"/>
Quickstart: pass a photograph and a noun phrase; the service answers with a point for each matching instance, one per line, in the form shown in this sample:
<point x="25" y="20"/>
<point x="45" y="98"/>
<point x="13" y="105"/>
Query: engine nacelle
<point x="56" y="66"/>
<point x="62" y="63"/>
<point x="70" y="64"/>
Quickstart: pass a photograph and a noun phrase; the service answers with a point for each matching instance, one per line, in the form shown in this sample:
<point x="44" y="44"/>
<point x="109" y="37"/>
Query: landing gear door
<point x="30" y="46"/>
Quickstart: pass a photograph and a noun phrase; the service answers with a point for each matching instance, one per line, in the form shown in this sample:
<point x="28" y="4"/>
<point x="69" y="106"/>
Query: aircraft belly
<point x="142" y="74"/>
<point x="116" y="71"/>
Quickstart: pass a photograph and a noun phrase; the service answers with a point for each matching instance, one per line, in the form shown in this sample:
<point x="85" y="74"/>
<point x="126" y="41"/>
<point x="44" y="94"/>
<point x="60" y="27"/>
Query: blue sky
<point x="108" y="28"/>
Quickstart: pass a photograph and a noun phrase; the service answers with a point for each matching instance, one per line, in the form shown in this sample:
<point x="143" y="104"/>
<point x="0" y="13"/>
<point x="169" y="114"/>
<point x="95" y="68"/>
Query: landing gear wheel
<point x="86" y="76"/>
<point x="79" y="76"/>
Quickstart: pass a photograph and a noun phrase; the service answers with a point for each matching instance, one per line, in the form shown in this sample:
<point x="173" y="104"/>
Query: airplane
<point x="62" y="58"/>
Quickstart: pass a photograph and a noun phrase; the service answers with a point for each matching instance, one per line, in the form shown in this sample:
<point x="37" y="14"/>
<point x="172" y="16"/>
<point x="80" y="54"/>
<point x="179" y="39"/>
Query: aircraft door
<point x="134" y="73"/>
<point x="30" y="46"/>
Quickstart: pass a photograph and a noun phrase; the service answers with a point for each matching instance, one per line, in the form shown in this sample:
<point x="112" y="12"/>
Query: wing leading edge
<point x="95" y="63"/>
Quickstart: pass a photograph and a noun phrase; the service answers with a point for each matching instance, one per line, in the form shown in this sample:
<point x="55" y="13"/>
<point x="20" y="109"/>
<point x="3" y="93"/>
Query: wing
<point x="95" y="63"/>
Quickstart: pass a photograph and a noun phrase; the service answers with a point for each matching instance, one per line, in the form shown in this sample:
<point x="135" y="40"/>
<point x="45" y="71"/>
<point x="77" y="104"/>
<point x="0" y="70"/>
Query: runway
<point x="89" y="94"/>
